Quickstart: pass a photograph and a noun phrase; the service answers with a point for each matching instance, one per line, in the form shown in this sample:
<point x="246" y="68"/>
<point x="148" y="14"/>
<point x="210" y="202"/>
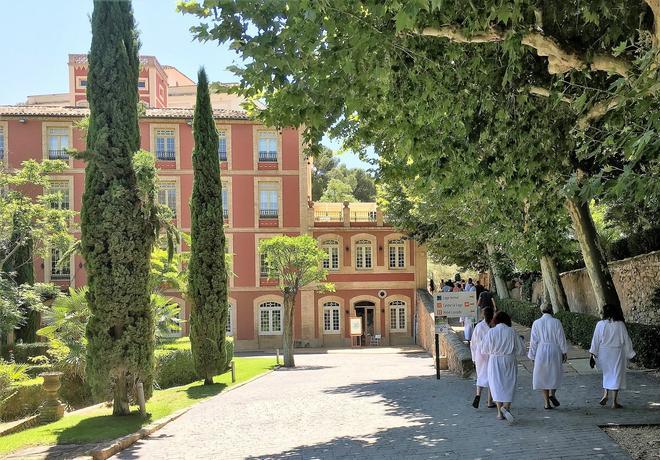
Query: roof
<point x="54" y="111"/>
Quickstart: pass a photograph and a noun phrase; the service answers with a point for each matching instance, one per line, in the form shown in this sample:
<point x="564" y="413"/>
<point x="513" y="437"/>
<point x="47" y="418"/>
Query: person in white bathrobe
<point x="502" y="345"/>
<point x="612" y="348"/>
<point x="481" y="360"/>
<point x="547" y="348"/>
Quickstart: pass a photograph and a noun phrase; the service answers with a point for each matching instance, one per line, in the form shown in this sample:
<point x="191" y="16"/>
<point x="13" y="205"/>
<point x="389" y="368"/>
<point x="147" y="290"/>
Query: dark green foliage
<point x="643" y="242"/>
<point x="36" y="369"/>
<point x="207" y="285"/>
<point x="117" y="226"/>
<point x="25" y="401"/>
<point x="24" y="351"/>
<point x="579" y="329"/>
<point x="176" y="366"/>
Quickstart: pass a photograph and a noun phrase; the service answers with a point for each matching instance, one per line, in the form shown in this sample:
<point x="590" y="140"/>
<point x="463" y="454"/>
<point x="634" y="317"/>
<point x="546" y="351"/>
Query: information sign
<point x="456" y="304"/>
<point x="356" y="325"/>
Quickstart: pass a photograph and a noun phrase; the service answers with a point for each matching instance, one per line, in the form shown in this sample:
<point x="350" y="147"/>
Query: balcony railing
<point x="222" y="155"/>
<point x="2" y="154"/>
<point x="328" y="216"/>
<point x="225" y="213"/>
<point x="268" y="214"/>
<point x="58" y="155"/>
<point x="60" y="276"/>
<point x="268" y="157"/>
<point x="166" y="155"/>
<point x="363" y="216"/>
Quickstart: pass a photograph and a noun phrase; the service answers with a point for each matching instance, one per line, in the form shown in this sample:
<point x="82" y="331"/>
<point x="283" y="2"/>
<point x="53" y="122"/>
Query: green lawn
<point x="99" y="425"/>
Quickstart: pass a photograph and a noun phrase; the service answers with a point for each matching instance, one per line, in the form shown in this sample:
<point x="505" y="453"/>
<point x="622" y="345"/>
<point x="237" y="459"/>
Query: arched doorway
<point x="366" y="310"/>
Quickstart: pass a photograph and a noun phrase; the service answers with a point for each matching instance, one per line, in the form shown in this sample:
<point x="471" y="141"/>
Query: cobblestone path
<point x="387" y="404"/>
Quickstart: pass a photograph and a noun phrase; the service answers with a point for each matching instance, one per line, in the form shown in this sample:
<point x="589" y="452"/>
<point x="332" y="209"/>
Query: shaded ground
<point x="389" y="405"/>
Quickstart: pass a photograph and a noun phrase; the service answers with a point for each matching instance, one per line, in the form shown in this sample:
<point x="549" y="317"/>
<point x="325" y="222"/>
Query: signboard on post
<point x="456" y="304"/>
<point x="356" y="325"/>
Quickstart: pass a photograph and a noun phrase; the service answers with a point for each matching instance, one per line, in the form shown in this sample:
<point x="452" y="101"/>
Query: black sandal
<point x="492" y="406"/>
<point x="603" y="401"/>
<point x="554" y="401"/>
<point x="475" y="401"/>
<point x="548" y="407"/>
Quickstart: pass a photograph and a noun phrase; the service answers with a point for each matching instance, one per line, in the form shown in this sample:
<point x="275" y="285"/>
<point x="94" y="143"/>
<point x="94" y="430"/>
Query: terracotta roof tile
<point x="54" y="111"/>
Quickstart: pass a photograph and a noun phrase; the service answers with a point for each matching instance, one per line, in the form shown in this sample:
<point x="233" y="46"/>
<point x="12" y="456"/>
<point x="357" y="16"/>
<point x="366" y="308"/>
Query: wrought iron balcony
<point x="166" y="155"/>
<point x="58" y="155"/>
<point x="268" y="157"/>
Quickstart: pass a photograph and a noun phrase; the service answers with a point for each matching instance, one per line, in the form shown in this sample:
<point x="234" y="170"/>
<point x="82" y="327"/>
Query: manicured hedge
<point x="25" y="400"/>
<point x="579" y="329"/>
<point x="24" y="351"/>
<point x="175" y="365"/>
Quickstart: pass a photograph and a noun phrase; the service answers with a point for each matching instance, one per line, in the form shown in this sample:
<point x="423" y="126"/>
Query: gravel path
<point x="388" y="405"/>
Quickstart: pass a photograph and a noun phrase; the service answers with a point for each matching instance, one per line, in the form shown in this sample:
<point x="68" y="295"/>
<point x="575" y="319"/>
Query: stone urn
<point x="52" y="408"/>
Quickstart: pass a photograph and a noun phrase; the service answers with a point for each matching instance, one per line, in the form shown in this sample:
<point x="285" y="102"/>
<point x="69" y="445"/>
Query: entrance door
<point x="366" y="311"/>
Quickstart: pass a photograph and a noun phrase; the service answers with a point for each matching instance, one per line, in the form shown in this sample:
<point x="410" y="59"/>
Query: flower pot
<point x="52" y="408"/>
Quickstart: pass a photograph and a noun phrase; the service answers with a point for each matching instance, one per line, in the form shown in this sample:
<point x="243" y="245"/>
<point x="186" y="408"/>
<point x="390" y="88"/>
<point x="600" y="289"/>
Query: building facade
<point x="266" y="192"/>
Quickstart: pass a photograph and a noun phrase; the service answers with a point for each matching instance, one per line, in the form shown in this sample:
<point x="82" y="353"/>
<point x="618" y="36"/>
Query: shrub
<point x="643" y="242"/>
<point x="36" y="369"/>
<point x="23" y="400"/>
<point x="579" y="329"/>
<point x="24" y="351"/>
<point x="175" y="366"/>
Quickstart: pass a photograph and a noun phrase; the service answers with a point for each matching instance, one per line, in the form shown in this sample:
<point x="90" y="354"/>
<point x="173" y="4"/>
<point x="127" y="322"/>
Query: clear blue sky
<point x="39" y="35"/>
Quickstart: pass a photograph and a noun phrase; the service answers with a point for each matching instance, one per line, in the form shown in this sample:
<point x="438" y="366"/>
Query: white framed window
<point x="2" y="143"/>
<point x="397" y="254"/>
<point x="270" y="318"/>
<point x="331" y="318"/>
<point x="225" y="201"/>
<point x="231" y="319"/>
<point x="331" y="248"/>
<point x="397" y="316"/>
<point x="222" y="145"/>
<point x="58" y="143"/>
<point x="267" y="143"/>
<point x="167" y="194"/>
<point x="363" y="255"/>
<point x="263" y="266"/>
<point x="59" y="189"/>
<point x="269" y="200"/>
<point x="57" y="271"/>
<point x="165" y="140"/>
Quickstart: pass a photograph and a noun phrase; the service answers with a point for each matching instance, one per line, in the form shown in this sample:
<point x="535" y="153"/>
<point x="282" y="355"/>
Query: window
<point x="167" y="195"/>
<point x="83" y="83"/>
<point x="363" y="254"/>
<point x="57" y="271"/>
<point x="59" y="189"/>
<point x="331" y="248"/>
<point x="397" y="315"/>
<point x="268" y="200"/>
<point x="225" y="202"/>
<point x="142" y="84"/>
<point x="263" y="266"/>
<point x="165" y="140"/>
<point x="331" y="318"/>
<point x="222" y="145"/>
<point x="2" y="143"/>
<point x="58" y="143"/>
<point x="229" y="330"/>
<point x="397" y="254"/>
<point x="267" y="146"/>
<point x="270" y="318"/>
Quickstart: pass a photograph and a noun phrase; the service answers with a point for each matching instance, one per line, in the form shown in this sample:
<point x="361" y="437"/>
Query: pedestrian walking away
<point x="480" y="359"/>
<point x="547" y="348"/>
<point x="502" y="345"/>
<point x="612" y="348"/>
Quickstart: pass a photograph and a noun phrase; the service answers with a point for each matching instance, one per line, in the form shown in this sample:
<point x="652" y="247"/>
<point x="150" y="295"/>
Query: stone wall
<point x="635" y="279"/>
<point x="459" y="357"/>
<point x="425" y="321"/>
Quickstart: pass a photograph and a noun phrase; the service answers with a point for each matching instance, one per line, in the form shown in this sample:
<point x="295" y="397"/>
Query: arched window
<point x="363" y="254"/>
<point x="270" y="318"/>
<point x="397" y="254"/>
<point x="397" y="316"/>
<point x="331" y="318"/>
<point x="331" y="248"/>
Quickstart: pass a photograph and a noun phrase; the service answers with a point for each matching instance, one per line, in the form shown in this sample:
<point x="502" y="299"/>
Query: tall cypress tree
<point x="207" y="288"/>
<point x="117" y="230"/>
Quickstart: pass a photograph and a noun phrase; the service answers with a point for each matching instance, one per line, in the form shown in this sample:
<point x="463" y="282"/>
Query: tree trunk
<point x="592" y="253"/>
<point x="120" y="404"/>
<point x="500" y="283"/>
<point x="289" y="305"/>
<point x="552" y="282"/>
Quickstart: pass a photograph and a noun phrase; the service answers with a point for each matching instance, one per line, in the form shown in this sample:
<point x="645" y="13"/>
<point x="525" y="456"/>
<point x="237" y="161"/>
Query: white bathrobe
<point x="502" y="344"/>
<point x="480" y="359"/>
<point x="546" y="347"/>
<point x="612" y="347"/>
<point x="468" y="327"/>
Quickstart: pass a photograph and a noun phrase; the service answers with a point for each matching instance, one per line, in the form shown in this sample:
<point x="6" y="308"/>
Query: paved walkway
<point x="388" y="405"/>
